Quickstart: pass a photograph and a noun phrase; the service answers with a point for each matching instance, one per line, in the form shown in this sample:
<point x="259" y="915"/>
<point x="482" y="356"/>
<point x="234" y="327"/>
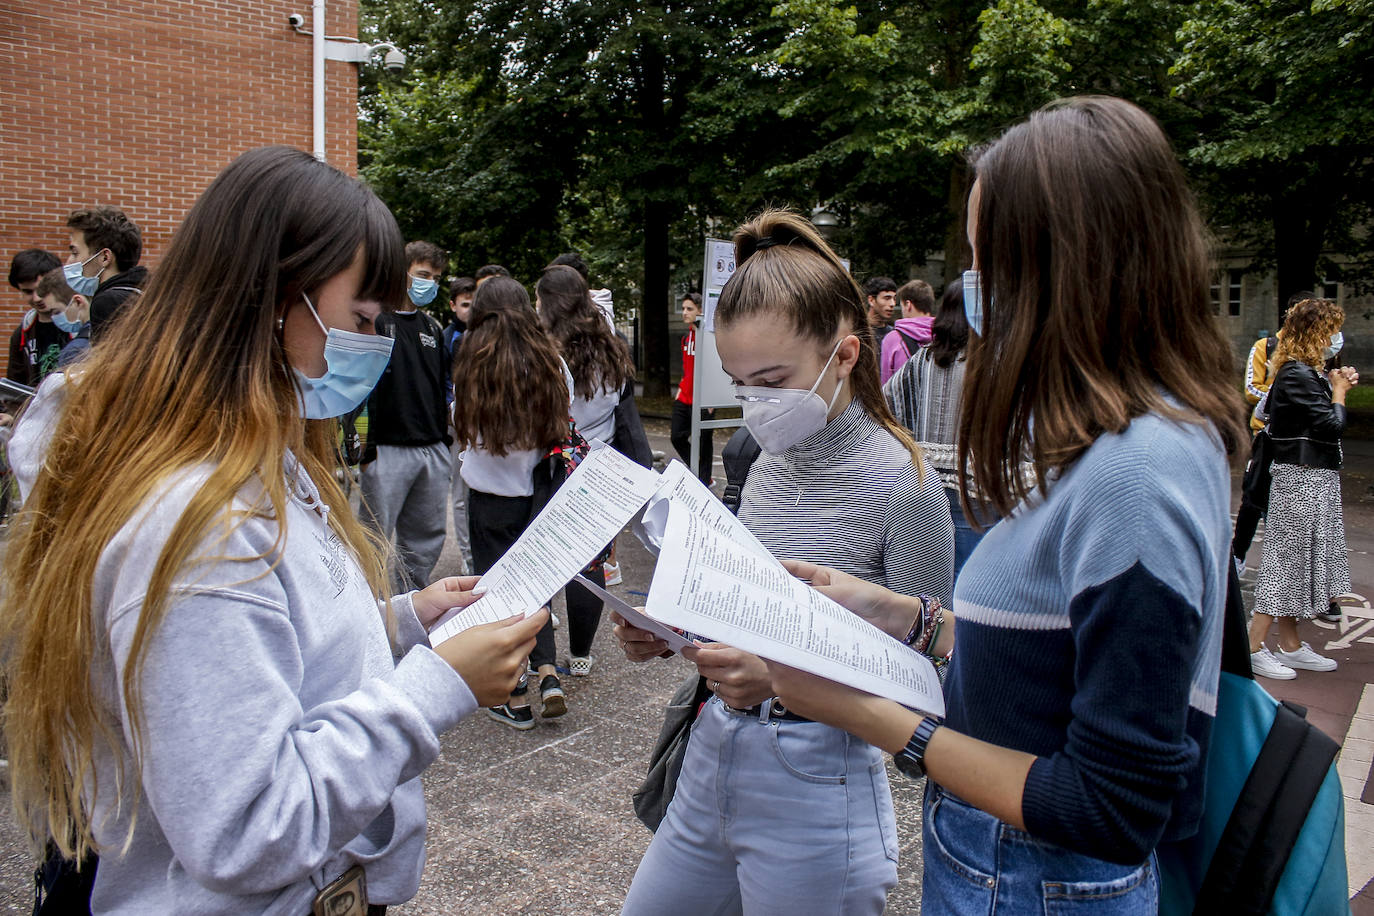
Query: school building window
<point x="1233" y="291"/>
<point x="1226" y="286"/>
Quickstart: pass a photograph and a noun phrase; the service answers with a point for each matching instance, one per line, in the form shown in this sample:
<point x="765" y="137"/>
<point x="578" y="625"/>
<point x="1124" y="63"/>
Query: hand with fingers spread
<point x="438" y="598"/>
<point x="638" y="645"/>
<point x="740" y="679"/>
<point x="491" y="657"/>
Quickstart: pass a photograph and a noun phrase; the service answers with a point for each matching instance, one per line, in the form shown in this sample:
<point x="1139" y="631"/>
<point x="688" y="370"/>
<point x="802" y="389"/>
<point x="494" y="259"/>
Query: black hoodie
<point x="110" y="296"/>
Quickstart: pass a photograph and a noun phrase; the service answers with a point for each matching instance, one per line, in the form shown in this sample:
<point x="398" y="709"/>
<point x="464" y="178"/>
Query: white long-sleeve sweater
<point x="284" y="735"/>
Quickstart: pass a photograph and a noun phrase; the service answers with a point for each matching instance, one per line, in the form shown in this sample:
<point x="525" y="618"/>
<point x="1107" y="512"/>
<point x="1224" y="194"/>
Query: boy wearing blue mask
<point x="406" y="465"/>
<point x="102" y="262"/>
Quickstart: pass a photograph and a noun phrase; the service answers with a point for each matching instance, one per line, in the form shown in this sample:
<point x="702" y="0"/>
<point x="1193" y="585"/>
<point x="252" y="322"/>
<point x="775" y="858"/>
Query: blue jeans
<point x="965" y="538"/>
<point x="781" y="818"/>
<point x="975" y="863"/>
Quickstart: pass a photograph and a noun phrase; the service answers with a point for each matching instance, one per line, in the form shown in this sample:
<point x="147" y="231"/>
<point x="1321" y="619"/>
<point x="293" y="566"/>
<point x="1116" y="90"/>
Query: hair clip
<point x="766" y="242"/>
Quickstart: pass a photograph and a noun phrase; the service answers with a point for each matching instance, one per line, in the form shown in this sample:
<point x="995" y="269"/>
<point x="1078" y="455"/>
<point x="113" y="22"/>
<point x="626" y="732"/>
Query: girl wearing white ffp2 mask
<point x="807" y="818"/>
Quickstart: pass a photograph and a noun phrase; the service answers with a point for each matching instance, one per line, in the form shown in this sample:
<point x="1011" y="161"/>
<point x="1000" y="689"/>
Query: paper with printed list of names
<point x="705" y="583"/>
<point x="713" y="578"/>
<point x="584" y="515"/>
<point x="680" y="487"/>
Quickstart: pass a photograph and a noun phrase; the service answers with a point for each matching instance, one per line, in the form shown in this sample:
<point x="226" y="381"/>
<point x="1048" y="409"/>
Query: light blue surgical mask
<point x="422" y="291"/>
<point x="973" y="301"/>
<point x="81" y="284"/>
<point x="64" y="324"/>
<point x="354" y="362"/>
<point x="1337" y="341"/>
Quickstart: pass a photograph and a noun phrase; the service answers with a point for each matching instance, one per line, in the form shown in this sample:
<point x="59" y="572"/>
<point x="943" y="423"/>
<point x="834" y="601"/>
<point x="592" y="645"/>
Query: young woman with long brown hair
<point x="204" y="683"/>
<point x="601" y="367"/>
<point x="1304" y="565"/>
<point x="774" y="813"/>
<point x="1088" y="633"/>
<point x="510" y="411"/>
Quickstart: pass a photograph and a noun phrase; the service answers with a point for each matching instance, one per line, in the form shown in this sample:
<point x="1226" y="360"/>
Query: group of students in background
<point x="494" y="410"/>
<point x="1072" y="405"/>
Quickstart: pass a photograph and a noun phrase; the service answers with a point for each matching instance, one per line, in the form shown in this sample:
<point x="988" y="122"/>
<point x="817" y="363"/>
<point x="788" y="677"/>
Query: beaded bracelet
<point x="926" y="627"/>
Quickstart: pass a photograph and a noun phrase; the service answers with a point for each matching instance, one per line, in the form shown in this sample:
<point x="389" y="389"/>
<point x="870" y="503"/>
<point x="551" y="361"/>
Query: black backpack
<point x="738" y="456"/>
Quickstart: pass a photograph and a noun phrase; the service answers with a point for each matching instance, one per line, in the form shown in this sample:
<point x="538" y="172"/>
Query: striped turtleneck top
<point x="851" y="498"/>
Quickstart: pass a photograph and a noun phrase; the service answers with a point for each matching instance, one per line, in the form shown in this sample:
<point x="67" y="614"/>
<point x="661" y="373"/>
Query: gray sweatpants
<point x="406" y="491"/>
<point x="461" y="535"/>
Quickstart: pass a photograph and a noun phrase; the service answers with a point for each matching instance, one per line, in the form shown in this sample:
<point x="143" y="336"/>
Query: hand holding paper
<point x="584" y="515"/>
<point x="705" y="584"/>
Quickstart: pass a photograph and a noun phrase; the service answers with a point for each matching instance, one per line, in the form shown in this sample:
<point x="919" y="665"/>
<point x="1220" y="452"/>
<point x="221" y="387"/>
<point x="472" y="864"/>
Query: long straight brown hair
<point x="596" y="357"/>
<point x="1095" y="273"/>
<point x="194" y="374"/>
<point x="509" y="393"/>
<point x="797" y="276"/>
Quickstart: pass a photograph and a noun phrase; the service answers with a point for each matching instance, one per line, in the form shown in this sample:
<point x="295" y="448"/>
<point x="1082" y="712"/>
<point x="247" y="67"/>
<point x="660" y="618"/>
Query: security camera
<point x="295" y="20"/>
<point x="395" y="61"/>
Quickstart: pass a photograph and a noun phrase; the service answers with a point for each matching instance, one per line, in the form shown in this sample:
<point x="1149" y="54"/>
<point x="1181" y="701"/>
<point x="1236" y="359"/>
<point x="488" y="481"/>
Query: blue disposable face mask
<point x="63" y="323"/>
<point x="354" y="362"/>
<point x="973" y="301"/>
<point x="1337" y="341"/>
<point x="81" y="284"/>
<point x="422" y="291"/>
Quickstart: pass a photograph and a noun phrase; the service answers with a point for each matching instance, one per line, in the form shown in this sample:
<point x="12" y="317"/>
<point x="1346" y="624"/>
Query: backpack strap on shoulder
<point x="738" y="456"/>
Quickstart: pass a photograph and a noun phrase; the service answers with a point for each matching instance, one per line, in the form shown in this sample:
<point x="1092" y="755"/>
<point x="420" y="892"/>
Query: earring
<point x="281" y="322"/>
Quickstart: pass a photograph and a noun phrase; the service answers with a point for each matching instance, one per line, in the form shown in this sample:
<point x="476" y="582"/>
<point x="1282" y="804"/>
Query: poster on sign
<point x="720" y="261"/>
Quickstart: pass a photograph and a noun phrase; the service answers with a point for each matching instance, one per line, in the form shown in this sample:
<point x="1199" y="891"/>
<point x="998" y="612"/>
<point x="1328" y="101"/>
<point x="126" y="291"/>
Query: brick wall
<point x="140" y="103"/>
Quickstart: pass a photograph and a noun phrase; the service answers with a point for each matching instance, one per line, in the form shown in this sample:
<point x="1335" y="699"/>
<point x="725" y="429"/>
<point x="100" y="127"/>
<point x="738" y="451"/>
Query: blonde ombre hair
<point x="193" y="373"/>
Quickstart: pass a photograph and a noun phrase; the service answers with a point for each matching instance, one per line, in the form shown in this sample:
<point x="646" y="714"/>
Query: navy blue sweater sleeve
<point x="1110" y="792"/>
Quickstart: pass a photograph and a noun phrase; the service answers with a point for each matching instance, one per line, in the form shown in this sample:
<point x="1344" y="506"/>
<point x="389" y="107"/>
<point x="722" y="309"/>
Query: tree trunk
<point x="958" y="257"/>
<point x="1298" y="232"/>
<point x="656" y="219"/>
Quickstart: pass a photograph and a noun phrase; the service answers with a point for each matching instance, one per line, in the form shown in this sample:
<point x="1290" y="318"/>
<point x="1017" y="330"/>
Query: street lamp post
<point x="340" y="48"/>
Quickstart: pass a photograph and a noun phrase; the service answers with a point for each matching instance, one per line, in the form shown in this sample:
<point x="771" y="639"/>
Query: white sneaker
<point x="1305" y="658"/>
<point x="613" y="576"/>
<point x="581" y="665"/>
<point x="1264" y="664"/>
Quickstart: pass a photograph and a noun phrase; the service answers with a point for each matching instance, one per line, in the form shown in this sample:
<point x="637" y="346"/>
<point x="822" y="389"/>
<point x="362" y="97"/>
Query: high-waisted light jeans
<point x="774" y="817"/>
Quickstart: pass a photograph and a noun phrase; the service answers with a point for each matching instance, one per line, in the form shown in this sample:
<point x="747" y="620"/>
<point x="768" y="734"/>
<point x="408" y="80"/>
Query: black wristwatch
<point x="911" y="760"/>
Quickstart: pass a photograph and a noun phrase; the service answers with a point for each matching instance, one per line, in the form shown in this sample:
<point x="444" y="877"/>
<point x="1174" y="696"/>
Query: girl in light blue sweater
<point x="1088" y="637"/>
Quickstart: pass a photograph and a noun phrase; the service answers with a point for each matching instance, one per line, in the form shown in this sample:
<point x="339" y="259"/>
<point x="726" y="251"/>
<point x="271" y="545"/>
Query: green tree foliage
<point x="1283" y="93"/>
<point x="630" y="131"/>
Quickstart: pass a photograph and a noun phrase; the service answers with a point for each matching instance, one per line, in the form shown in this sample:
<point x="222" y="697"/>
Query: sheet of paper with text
<point x="584" y="515"/>
<point x="680" y="487"/>
<point x="706" y="584"/>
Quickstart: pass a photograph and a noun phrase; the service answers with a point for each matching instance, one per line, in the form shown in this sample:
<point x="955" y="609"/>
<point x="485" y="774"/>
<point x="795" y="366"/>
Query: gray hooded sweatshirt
<point x="284" y="733"/>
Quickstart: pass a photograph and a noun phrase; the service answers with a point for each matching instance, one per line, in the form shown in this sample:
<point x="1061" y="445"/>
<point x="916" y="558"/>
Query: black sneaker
<point x="1333" y="613"/>
<point x="555" y="701"/>
<point x="515" y="716"/>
